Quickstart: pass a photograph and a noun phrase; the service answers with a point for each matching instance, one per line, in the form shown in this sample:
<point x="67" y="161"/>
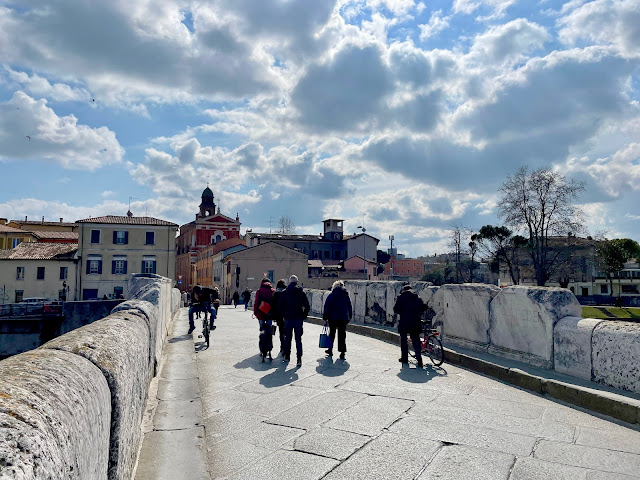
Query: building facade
<point x="42" y="270"/>
<point x="11" y="237"/>
<point x="112" y="248"/>
<point x="246" y="268"/>
<point x="404" y="267"/>
<point x="207" y="258"/>
<point x="209" y="227"/>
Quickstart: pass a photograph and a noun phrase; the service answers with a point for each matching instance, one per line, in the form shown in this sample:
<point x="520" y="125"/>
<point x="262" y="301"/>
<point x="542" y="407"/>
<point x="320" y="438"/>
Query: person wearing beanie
<point x="410" y="307"/>
<point x="294" y="305"/>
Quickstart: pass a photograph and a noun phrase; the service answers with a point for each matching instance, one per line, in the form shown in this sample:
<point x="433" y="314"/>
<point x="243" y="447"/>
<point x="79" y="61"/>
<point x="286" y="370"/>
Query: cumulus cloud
<point x="608" y="22"/>
<point x="508" y="42"/>
<point x="437" y="23"/>
<point x="30" y="130"/>
<point x="40" y="86"/>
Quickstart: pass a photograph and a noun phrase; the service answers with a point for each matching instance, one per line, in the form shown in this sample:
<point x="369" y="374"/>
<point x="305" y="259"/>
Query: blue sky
<point x="410" y="112"/>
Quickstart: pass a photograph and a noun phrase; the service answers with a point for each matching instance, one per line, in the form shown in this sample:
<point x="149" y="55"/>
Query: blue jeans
<point x="201" y="308"/>
<point x="291" y="327"/>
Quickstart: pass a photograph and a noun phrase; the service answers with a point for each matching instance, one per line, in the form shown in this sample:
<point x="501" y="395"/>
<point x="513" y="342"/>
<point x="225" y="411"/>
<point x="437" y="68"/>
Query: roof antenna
<point x="129" y="214"/>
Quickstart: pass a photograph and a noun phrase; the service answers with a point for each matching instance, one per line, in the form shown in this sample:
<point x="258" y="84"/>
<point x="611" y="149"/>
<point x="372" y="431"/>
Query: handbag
<point x="265" y="307"/>
<point x="325" y="339"/>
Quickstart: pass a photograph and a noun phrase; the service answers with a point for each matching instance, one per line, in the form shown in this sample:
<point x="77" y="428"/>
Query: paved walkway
<point x="221" y="413"/>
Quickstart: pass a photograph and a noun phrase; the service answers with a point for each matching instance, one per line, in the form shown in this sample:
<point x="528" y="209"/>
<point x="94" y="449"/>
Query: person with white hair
<point x="295" y="307"/>
<point x="338" y="312"/>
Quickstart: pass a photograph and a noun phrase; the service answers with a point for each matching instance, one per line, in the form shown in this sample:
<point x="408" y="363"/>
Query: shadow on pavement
<point x="280" y="377"/>
<point x="255" y="362"/>
<point x="329" y="368"/>
<point x="421" y="375"/>
<point x="201" y="346"/>
<point x="180" y="338"/>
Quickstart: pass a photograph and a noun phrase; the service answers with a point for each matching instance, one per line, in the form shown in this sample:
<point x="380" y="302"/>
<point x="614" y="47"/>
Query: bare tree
<point x="286" y="225"/>
<point x="456" y="242"/>
<point x="499" y="244"/>
<point x="541" y="205"/>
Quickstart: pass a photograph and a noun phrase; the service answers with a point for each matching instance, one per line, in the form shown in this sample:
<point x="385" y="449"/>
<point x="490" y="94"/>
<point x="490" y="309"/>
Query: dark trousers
<point x="201" y="308"/>
<point x="291" y="327"/>
<point x="280" y="324"/>
<point x="341" y="327"/>
<point x="404" y="346"/>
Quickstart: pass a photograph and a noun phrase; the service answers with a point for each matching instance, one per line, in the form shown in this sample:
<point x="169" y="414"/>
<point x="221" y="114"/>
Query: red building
<point x="405" y="267"/>
<point x="209" y="227"/>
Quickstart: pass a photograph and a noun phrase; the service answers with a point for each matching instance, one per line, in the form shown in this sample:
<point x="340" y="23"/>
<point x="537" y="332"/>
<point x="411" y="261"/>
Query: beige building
<point x="11" y="237"/>
<point x="112" y="248"/>
<point x="42" y="270"/>
<point x="43" y="225"/>
<point x="246" y="268"/>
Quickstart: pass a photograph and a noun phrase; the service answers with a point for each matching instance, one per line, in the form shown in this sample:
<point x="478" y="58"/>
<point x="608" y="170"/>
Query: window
<point x="119" y="266"/>
<point x="94" y="266"/>
<point x="149" y="265"/>
<point x="89" y="293"/>
<point x="117" y="292"/>
<point x="40" y="273"/>
<point x="19" y="295"/>
<point x="15" y="242"/>
<point x="120" y="237"/>
<point x="150" y="238"/>
<point x="64" y="272"/>
<point x="629" y="289"/>
<point x="19" y="273"/>
<point x="327" y="254"/>
<point x="604" y="288"/>
<point x="271" y="275"/>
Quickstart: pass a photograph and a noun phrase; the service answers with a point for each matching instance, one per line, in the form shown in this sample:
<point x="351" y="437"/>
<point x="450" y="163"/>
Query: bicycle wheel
<point x="436" y="352"/>
<point x="205" y="329"/>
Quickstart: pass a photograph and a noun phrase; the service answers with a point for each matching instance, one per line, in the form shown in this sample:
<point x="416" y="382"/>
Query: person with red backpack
<point x="261" y="309"/>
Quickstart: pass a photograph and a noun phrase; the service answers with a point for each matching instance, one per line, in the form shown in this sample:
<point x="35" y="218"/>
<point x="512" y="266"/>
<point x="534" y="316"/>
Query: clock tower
<point x="333" y="229"/>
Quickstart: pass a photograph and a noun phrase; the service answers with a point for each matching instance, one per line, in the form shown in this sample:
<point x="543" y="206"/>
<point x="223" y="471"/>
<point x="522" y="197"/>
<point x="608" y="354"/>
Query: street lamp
<point x="364" y="249"/>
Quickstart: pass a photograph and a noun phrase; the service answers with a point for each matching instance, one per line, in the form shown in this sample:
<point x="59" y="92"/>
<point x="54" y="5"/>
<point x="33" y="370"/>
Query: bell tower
<point x="207" y="207"/>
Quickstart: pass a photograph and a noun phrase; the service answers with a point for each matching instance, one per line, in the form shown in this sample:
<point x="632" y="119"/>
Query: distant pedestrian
<point x="338" y="312"/>
<point x="295" y="307"/>
<point x="276" y="313"/>
<point x="246" y="296"/>
<point x="236" y="299"/>
<point x="410" y="307"/>
<point x="262" y="311"/>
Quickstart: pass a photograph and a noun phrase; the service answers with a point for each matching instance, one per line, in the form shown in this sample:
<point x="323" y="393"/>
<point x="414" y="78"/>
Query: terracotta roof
<point x="284" y="236"/>
<point x="124" y="220"/>
<point x="41" y="251"/>
<point x="6" y="229"/>
<point x="39" y="234"/>
<point x="38" y="222"/>
<point x="327" y="263"/>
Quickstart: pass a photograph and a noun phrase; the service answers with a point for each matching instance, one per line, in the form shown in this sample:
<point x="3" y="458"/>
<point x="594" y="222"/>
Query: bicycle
<point x="431" y="344"/>
<point x="206" y="327"/>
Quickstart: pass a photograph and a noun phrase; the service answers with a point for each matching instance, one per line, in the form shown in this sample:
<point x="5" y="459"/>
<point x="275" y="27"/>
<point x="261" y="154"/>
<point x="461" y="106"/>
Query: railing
<point x="31" y="310"/>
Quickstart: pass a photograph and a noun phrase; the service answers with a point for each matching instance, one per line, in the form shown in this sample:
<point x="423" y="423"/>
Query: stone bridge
<point x="74" y="407"/>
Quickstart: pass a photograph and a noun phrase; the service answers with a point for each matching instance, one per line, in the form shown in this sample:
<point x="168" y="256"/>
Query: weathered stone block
<point x="176" y="300"/>
<point x="572" y="346"/>
<point x="616" y="355"/>
<point x="151" y="314"/>
<point x="393" y="290"/>
<point x="522" y="321"/>
<point x="466" y="312"/>
<point x="55" y="412"/>
<point x="357" y="290"/>
<point x="316" y="301"/>
<point x="118" y="345"/>
<point x="377" y="302"/>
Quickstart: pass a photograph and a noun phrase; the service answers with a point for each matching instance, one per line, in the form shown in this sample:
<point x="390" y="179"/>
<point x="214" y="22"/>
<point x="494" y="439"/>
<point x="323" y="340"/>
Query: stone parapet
<point x="572" y="345"/>
<point x="73" y="407"/>
<point x="616" y="355"/>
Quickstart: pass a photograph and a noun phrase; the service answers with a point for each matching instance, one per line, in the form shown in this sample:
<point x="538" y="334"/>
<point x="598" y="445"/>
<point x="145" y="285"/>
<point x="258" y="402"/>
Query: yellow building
<point x="43" y="226"/>
<point x="11" y="237"/>
<point x="112" y="248"/>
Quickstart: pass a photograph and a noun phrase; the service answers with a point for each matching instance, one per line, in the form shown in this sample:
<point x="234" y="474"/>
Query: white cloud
<point x="615" y="22"/>
<point x="437" y="23"/>
<point x="39" y="86"/>
<point x="30" y="130"/>
<point x="497" y="8"/>
<point x="511" y="41"/>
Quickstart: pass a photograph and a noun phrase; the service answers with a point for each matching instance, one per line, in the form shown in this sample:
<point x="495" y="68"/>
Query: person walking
<point x="338" y="312"/>
<point x="410" y="307"/>
<point x="262" y="307"/>
<point x="276" y="313"/>
<point x="236" y="299"/>
<point x="295" y="307"/>
<point x="246" y="296"/>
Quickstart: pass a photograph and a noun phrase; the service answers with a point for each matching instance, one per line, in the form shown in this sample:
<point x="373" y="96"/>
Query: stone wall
<point x="73" y="407"/>
<point x="534" y="325"/>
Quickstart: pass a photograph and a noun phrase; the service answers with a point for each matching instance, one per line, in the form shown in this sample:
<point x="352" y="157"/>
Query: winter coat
<point x="236" y="297"/>
<point x="264" y="294"/>
<point x="293" y="303"/>
<point x="410" y="307"/>
<point x="276" y="313"/>
<point x="337" y="307"/>
<point x="246" y="296"/>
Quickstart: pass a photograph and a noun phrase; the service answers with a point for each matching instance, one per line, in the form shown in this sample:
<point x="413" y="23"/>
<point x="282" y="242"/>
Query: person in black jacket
<point x="338" y="311"/>
<point x="276" y="314"/>
<point x="295" y="307"/>
<point x="410" y="307"/>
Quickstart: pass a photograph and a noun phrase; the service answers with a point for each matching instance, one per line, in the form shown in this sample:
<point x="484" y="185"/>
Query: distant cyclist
<point x="197" y="305"/>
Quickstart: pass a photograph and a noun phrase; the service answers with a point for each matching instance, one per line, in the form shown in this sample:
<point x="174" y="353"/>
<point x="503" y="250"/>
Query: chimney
<point x="61" y="219"/>
<point x="25" y="218"/>
<point x="3" y="221"/>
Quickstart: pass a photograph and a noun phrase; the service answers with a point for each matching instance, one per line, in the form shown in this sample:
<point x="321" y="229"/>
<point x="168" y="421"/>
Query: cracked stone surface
<point x="363" y="418"/>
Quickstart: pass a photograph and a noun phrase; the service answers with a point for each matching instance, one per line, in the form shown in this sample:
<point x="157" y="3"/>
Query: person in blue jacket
<point x="338" y="312"/>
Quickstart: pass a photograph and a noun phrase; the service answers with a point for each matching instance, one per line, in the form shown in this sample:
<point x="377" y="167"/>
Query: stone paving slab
<point x="370" y="416"/>
<point x="266" y="435"/>
<point x="525" y="426"/>
<point x="330" y="443"/>
<point x="465" y="434"/>
<point x="389" y="456"/>
<point x="178" y="389"/>
<point x="227" y="458"/>
<point x="589" y="457"/>
<point x="465" y="463"/>
<point x="177" y="414"/>
<point x="393" y="391"/>
<point x="317" y="410"/>
<point x="271" y="404"/>
<point x="620" y="440"/>
<point x="287" y="465"/>
<point x="479" y="404"/>
<point x="225" y="423"/>
<point x="531" y="469"/>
